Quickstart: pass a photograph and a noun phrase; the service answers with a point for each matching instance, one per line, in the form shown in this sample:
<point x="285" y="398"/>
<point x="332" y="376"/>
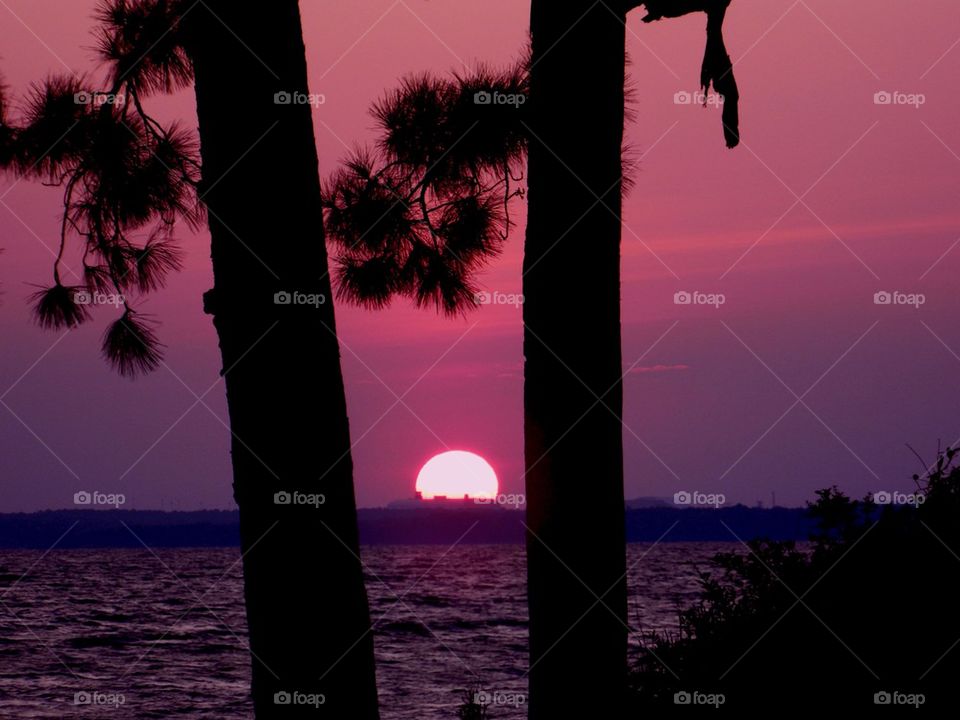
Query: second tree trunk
<point x="573" y="442"/>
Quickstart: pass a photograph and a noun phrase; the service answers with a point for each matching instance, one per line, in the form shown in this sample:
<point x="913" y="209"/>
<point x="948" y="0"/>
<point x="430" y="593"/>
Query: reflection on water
<point x="163" y="635"/>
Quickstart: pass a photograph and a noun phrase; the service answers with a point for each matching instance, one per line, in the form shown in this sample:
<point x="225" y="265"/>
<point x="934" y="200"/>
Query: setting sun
<point x="456" y="474"/>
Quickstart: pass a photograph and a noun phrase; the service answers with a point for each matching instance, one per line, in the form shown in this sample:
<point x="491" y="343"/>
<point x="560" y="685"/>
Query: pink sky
<point x="830" y="199"/>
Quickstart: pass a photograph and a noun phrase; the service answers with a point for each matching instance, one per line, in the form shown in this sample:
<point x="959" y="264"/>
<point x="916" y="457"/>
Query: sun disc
<point x="457" y="474"/>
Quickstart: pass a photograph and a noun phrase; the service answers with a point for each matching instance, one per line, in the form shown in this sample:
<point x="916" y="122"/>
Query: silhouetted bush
<point x="863" y="615"/>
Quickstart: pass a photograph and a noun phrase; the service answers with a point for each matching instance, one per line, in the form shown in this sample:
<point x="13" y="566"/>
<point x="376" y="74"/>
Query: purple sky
<point x="830" y="199"/>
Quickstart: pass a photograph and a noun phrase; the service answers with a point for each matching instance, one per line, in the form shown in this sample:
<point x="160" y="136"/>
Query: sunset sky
<point x="796" y="382"/>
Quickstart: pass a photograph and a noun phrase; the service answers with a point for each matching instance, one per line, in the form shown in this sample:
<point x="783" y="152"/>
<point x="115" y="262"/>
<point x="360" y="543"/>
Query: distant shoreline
<point x="75" y="529"/>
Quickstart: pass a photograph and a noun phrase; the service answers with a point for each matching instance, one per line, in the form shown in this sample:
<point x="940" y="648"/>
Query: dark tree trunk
<point x="573" y="443"/>
<point x="307" y="608"/>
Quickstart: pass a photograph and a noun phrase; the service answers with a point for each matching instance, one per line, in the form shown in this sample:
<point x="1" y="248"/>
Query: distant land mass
<point x="424" y="525"/>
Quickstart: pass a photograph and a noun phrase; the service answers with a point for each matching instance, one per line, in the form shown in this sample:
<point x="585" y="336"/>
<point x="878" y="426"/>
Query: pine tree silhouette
<point x="127" y="179"/>
<point x="419" y="213"/>
<point x="439" y="145"/>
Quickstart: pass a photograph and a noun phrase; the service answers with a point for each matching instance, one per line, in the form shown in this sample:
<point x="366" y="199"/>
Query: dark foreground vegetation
<point x="862" y="617"/>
